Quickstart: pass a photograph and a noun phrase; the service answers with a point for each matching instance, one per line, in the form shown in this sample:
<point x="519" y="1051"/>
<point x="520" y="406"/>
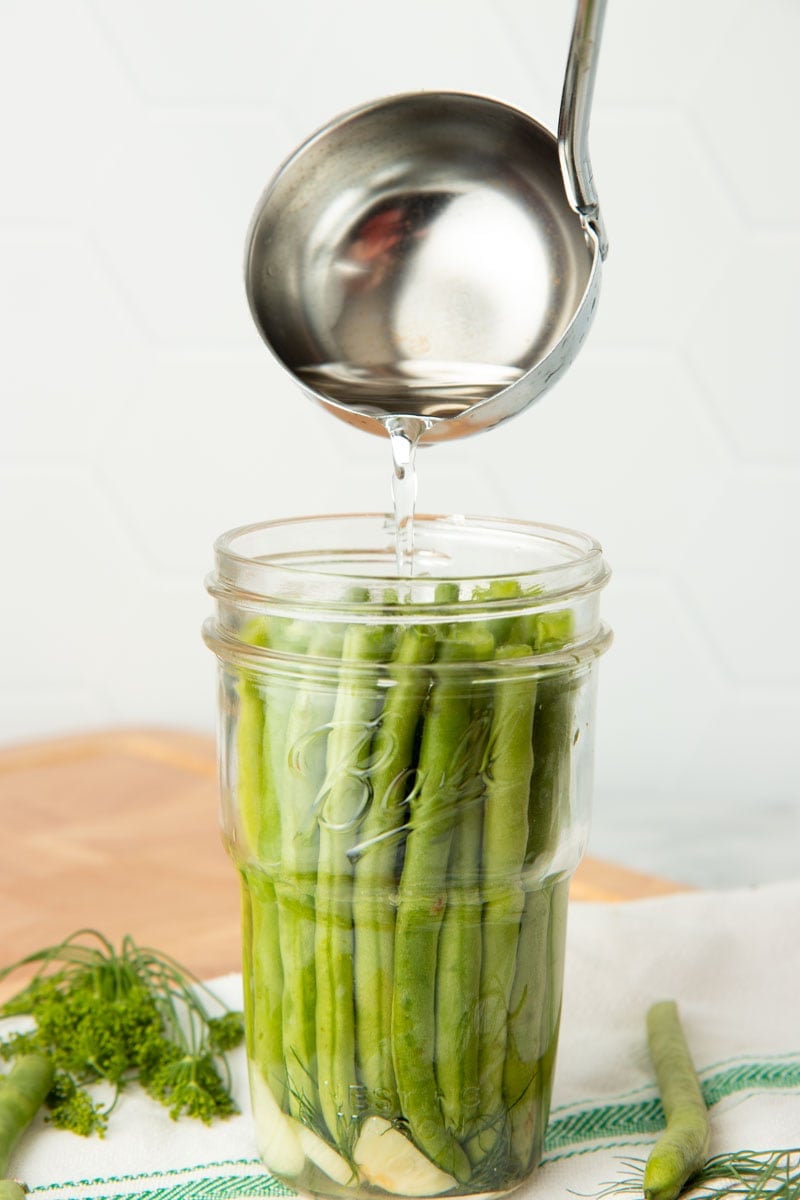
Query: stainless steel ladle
<point x="435" y="255"/>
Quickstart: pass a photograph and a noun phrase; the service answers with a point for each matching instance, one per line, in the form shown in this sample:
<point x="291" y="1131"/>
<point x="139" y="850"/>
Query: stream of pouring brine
<point x="404" y="434"/>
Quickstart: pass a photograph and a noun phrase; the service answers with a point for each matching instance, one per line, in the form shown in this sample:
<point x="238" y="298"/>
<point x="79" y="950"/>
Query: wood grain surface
<point x="119" y="831"/>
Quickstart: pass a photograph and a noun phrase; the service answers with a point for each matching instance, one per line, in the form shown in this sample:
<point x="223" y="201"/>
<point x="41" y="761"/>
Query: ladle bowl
<point x="430" y="256"/>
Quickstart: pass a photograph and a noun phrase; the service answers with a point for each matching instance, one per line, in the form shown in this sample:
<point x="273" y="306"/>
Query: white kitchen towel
<point x="730" y="959"/>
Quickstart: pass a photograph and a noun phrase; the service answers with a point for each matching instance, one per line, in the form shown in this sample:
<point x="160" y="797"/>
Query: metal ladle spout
<point x="434" y="256"/>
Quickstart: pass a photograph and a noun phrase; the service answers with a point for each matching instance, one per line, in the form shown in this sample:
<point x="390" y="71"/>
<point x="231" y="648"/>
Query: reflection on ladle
<point x="434" y="255"/>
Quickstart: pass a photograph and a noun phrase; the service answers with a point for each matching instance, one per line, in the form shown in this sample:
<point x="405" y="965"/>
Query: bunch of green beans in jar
<point x="406" y="768"/>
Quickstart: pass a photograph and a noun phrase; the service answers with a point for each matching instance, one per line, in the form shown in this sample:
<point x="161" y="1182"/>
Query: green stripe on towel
<point x="574" y="1129"/>
<point x="632" y="1117"/>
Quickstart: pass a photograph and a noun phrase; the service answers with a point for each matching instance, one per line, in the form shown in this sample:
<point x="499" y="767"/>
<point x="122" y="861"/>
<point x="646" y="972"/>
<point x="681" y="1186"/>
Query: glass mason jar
<point x="405" y="769"/>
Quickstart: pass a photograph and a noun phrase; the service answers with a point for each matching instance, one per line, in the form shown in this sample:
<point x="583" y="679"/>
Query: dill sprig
<point x="753" y="1174"/>
<point x="497" y="1167"/>
<point x="115" y="1017"/>
<point x="307" y="1113"/>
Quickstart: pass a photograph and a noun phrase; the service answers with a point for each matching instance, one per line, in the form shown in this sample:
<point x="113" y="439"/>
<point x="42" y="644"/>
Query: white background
<point x="141" y="415"/>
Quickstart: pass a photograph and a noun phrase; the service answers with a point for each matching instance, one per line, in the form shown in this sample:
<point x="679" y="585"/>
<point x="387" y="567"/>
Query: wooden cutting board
<point x="118" y="830"/>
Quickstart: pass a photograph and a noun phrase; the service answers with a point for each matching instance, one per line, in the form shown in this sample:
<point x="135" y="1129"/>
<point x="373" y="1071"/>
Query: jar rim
<point x="551" y="558"/>
<point x="333" y="569"/>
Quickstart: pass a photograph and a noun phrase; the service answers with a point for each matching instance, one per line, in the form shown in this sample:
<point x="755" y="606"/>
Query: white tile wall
<point x="136" y="398"/>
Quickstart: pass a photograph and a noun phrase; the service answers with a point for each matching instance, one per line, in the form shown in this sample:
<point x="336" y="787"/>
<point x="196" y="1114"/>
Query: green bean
<point x="249" y="761"/>
<point x="458" y="976"/>
<point x="258" y="810"/>
<point x="553" y="732"/>
<point x="508" y="767"/>
<point x="22" y="1092"/>
<point x="373" y="911"/>
<point x="551" y="780"/>
<point x="682" y="1149"/>
<point x="534" y="1013"/>
<point x="556" y="942"/>
<point x="299" y="786"/>
<point x="263" y="963"/>
<point x="523" y="1045"/>
<point x="458" y="972"/>
<point x="447" y="591"/>
<point x="264" y="704"/>
<point x="530" y="1119"/>
<point x="246" y="911"/>
<point x="263" y="715"/>
<point x="422" y="900"/>
<point x="249" y="734"/>
<point x="344" y="799"/>
<point x="11" y="1190"/>
<point x="279" y="690"/>
<point x="501" y="628"/>
<point x="546" y="630"/>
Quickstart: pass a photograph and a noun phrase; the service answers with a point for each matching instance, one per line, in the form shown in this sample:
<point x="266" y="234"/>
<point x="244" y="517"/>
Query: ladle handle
<point x="573" y="119"/>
